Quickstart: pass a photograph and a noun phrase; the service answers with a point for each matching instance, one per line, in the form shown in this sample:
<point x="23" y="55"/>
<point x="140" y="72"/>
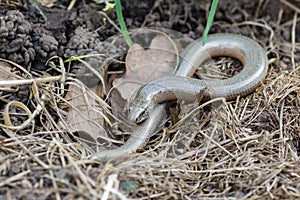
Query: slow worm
<point x="146" y="106"/>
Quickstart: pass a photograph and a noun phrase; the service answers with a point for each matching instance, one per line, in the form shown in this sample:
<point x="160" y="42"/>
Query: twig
<point x="295" y="8"/>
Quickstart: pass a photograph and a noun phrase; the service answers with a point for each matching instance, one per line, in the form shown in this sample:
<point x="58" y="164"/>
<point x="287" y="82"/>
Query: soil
<point x="252" y="152"/>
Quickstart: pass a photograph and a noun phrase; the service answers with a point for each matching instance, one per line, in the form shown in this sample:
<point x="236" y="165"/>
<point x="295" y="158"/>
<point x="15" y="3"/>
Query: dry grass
<point x="247" y="148"/>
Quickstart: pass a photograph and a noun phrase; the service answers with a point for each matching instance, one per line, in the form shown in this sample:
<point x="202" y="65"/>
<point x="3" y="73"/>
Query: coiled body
<point x="181" y="86"/>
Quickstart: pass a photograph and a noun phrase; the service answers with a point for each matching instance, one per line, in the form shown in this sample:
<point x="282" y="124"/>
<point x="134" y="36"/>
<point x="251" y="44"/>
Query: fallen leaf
<point x="144" y="65"/>
<point x="6" y="73"/>
<point x="83" y="115"/>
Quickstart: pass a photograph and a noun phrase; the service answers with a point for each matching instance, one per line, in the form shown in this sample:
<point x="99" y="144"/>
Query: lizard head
<point x="138" y="110"/>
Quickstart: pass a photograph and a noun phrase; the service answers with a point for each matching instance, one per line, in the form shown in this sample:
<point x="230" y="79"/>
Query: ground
<point x="247" y="148"/>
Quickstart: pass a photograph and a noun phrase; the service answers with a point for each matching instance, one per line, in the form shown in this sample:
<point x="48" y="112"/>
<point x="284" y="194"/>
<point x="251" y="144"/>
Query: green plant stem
<point x="121" y="21"/>
<point x="210" y="20"/>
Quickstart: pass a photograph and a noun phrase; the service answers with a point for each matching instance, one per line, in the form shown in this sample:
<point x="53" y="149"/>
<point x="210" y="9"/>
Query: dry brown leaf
<point x="143" y="65"/>
<point x="83" y="116"/>
<point x="6" y="73"/>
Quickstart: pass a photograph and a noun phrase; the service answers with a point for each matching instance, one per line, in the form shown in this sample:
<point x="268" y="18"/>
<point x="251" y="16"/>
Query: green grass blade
<point x="121" y="21"/>
<point x="210" y="20"/>
<point x="82" y="56"/>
